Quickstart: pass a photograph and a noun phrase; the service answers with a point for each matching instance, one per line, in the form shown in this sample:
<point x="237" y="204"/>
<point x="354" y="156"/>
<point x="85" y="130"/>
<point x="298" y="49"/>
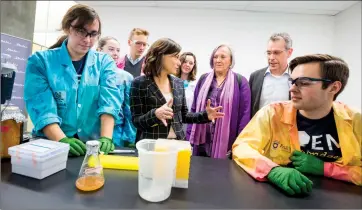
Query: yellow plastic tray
<point x="116" y="162"/>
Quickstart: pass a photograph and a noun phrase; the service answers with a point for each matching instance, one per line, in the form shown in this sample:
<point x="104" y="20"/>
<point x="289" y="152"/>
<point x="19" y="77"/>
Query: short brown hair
<point x="331" y="67"/>
<point x="138" y="31"/>
<point x="192" y="74"/>
<point x="84" y="14"/>
<point x="153" y="59"/>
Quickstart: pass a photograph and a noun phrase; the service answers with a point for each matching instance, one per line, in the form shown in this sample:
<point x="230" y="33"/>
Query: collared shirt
<point x="275" y="88"/>
<point x="134" y="62"/>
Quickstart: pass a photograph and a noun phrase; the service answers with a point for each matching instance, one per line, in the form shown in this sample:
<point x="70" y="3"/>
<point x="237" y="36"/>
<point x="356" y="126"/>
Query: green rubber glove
<point x="106" y="145"/>
<point x="290" y="180"/>
<point x="131" y="145"/>
<point x="307" y="163"/>
<point x="77" y="147"/>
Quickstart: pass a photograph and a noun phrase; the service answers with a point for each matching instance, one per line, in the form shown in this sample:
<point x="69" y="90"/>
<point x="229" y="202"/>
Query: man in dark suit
<point x="270" y="84"/>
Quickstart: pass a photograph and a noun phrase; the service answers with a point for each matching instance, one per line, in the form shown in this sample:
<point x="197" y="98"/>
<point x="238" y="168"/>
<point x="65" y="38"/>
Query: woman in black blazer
<point x="158" y="102"/>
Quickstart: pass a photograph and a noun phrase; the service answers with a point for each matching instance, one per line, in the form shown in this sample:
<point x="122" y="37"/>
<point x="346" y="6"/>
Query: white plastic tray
<point x="38" y="174"/>
<point x="39" y="150"/>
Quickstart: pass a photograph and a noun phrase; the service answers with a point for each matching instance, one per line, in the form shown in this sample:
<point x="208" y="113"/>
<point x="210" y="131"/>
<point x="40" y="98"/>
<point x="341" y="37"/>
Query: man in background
<point x="138" y="42"/>
<point x="270" y="84"/>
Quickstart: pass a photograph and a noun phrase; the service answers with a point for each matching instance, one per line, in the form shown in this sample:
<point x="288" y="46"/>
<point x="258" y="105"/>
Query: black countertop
<point x="213" y="184"/>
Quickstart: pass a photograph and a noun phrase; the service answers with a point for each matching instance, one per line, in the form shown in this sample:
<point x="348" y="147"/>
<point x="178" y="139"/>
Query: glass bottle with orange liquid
<point x="91" y="177"/>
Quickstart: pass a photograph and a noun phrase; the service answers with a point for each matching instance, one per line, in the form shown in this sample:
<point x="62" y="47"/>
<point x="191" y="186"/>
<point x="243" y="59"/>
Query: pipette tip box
<point x="39" y="158"/>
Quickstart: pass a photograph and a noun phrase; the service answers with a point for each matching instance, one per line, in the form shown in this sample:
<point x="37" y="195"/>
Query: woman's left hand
<point x="212" y="113"/>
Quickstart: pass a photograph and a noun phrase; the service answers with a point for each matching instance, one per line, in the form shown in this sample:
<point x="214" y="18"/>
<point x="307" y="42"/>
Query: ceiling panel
<point x="315" y="5"/>
<point x="291" y="10"/>
<point x="205" y="3"/>
<point x="299" y="7"/>
<point x="230" y="5"/>
<point x="120" y="3"/>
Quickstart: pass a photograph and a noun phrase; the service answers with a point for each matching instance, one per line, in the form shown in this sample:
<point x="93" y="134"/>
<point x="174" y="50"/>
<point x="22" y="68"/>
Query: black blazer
<point x="256" y="81"/>
<point x="146" y="97"/>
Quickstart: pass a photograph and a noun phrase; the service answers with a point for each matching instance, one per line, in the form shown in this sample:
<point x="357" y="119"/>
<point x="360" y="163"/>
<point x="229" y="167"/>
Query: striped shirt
<point x="79" y="66"/>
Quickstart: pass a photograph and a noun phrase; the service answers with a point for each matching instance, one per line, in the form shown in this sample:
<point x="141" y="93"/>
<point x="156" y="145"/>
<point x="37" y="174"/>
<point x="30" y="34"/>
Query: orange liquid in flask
<point x="89" y="183"/>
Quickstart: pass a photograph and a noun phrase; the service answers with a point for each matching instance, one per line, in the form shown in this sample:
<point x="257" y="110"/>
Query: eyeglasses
<point x="275" y="52"/>
<point x="81" y="32"/>
<point x="139" y="43"/>
<point x="306" y="81"/>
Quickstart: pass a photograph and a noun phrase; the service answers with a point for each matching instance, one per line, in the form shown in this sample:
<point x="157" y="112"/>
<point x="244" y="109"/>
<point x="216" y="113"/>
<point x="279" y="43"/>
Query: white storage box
<point x="39" y="158"/>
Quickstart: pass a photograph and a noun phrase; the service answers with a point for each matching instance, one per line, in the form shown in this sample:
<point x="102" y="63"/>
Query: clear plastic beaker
<point x="156" y="173"/>
<point x="91" y="177"/>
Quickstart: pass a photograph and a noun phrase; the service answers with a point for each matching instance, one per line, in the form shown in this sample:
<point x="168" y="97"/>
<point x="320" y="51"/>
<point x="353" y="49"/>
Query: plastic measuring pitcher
<point x="157" y="165"/>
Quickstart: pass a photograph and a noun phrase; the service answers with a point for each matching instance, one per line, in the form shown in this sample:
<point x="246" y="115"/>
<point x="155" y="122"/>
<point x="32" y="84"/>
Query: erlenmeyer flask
<point x="90" y="176"/>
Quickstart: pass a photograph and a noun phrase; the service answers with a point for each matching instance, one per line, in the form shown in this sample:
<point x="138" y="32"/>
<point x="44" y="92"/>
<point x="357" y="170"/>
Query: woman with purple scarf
<point x="227" y="89"/>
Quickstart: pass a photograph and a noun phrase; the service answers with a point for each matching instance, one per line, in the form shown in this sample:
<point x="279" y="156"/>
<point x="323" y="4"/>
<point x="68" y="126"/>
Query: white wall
<point x="348" y="46"/>
<point x="48" y="18"/>
<point x="200" y="31"/>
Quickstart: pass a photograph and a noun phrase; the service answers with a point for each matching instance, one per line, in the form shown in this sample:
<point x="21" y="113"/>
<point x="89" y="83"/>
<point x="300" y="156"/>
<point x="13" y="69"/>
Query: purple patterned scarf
<point x="222" y="127"/>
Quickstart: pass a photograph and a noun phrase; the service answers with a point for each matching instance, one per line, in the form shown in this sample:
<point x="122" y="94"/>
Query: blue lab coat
<point x="125" y="130"/>
<point x="53" y="94"/>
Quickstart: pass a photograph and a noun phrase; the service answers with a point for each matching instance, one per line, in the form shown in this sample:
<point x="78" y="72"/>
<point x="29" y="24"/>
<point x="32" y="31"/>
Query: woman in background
<point x="124" y="133"/>
<point x="187" y="72"/>
<point x="158" y="101"/>
<point x="224" y="88"/>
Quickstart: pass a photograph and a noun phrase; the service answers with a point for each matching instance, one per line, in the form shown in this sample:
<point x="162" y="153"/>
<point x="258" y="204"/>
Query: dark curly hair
<point x="192" y="74"/>
<point x="153" y="59"/>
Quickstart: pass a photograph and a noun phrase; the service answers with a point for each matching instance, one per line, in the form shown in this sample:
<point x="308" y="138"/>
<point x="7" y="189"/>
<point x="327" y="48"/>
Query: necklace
<point x="219" y="85"/>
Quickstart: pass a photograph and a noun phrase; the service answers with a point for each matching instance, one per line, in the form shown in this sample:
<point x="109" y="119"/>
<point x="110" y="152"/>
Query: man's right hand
<point x="77" y="147"/>
<point x="290" y="180"/>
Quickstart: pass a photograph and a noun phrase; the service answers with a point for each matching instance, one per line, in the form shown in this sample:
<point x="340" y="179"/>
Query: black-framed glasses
<point x="306" y="81"/>
<point x="84" y="33"/>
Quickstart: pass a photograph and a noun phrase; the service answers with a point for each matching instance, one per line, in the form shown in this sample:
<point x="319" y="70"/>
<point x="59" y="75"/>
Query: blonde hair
<point x="138" y="31"/>
<point x="103" y="41"/>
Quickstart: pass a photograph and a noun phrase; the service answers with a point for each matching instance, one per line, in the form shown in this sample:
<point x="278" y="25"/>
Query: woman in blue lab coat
<point x="124" y="133"/>
<point x="70" y="90"/>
